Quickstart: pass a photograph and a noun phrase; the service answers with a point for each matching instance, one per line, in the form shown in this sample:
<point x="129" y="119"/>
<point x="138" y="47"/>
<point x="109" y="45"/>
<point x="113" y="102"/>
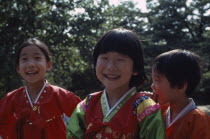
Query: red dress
<point x="18" y="120"/>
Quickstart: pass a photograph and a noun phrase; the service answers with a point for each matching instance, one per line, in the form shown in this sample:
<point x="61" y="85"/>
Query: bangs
<point x="117" y="43"/>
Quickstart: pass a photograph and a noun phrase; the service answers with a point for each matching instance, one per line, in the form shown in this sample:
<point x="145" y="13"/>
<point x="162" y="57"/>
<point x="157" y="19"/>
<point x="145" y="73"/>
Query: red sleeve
<point x="6" y="112"/>
<point x="68" y="101"/>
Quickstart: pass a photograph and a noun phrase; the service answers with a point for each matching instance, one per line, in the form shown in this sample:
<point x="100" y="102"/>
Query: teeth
<point x="31" y="73"/>
<point x="112" y="76"/>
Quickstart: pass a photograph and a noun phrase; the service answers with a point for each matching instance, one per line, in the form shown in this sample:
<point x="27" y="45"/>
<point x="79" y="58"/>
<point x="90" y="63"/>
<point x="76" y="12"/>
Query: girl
<point x="118" y="111"/>
<point x="35" y="111"/>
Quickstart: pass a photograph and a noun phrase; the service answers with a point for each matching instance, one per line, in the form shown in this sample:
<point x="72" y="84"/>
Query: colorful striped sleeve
<point x="150" y="118"/>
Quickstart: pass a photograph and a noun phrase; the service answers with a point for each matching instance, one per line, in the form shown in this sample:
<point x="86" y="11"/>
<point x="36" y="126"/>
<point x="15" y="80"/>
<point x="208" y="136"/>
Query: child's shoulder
<point x="198" y="113"/>
<point x="14" y="92"/>
<point x="197" y="118"/>
<point x="99" y="93"/>
<point x="84" y="103"/>
<point x="57" y="89"/>
<point x="140" y="98"/>
<point x="144" y="106"/>
<point x="92" y="95"/>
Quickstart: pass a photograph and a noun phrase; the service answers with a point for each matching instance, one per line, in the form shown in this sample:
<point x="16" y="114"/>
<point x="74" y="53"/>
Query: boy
<point x="175" y="76"/>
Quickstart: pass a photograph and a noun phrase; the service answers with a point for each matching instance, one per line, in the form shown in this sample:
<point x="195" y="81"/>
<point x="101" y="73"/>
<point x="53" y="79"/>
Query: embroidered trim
<point x="85" y="102"/>
<point x="117" y="106"/>
<point x="144" y="105"/>
<point x="138" y="102"/>
<point x="32" y="106"/>
<point x="148" y="111"/>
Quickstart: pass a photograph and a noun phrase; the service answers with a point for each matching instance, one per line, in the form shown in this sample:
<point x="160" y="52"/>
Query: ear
<point x="49" y="65"/>
<point x="183" y="88"/>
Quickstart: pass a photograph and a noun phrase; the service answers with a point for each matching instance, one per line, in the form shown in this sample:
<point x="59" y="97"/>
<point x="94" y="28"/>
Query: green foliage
<point x="72" y="28"/>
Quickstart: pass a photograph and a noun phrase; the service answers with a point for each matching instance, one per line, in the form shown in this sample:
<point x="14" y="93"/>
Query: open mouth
<point x="111" y="76"/>
<point x="32" y="73"/>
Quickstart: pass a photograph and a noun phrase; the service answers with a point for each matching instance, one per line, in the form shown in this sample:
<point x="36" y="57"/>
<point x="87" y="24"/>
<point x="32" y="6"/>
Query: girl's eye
<point x="121" y="59"/>
<point x="103" y="58"/>
<point x="23" y="59"/>
<point x="37" y="58"/>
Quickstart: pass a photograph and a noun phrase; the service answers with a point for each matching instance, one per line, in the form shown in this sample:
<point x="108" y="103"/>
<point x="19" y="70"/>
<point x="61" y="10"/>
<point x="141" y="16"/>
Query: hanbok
<point x="22" y="119"/>
<point x="133" y="116"/>
<point x="190" y="123"/>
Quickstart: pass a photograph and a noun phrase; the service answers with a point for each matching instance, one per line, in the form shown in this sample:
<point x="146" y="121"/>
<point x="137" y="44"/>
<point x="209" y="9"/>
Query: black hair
<point x="34" y="41"/>
<point x="125" y="42"/>
<point x="180" y="67"/>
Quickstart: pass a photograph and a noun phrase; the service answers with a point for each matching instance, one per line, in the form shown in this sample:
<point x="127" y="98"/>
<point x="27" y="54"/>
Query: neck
<point x="35" y="88"/>
<point x="177" y="107"/>
<point x="114" y="95"/>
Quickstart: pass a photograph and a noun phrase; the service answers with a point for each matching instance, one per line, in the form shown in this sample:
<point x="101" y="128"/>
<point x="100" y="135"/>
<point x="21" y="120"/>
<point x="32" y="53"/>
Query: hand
<point x="152" y="95"/>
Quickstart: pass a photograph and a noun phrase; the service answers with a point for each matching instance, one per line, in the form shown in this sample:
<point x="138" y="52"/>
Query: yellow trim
<point x="144" y="105"/>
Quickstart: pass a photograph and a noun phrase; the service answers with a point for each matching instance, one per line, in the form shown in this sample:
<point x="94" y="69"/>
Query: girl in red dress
<point x="35" y="111"/>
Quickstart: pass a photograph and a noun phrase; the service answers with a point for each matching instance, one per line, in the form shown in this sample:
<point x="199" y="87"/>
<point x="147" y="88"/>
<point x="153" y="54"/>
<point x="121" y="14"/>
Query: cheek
<point x="20" y="67"/>
<point x="98" y="71"/>
<point x="157" y="88"/>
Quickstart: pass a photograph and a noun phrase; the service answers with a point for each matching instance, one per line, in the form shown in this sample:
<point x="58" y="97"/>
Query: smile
<point x="111" y="76"/>
<point x="32" y="73"/>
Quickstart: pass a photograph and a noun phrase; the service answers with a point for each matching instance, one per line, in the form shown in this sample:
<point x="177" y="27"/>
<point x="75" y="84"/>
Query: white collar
<point x="37" y="96"/>
<point x="189" y="107"/>
<point x="116" y="104"/>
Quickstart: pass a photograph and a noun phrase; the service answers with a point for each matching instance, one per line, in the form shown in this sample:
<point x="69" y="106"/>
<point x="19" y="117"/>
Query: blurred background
<point x="71" y="28"/>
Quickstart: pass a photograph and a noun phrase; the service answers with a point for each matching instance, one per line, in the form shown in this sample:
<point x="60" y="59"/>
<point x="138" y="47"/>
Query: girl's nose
<point x="111" y="65"/>
<point x="31" y="63"/>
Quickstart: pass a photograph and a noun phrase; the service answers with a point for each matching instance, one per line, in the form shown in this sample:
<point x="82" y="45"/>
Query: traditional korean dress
<point x="133" y="116"/>
<point x="190" y="123"/>
<point x="22" y="119"/>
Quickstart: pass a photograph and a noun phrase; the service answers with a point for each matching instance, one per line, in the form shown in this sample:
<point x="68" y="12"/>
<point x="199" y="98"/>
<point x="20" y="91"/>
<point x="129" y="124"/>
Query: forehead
<point x="30" y="49"/>
<point x="116" y="55"/>
<point x="155" y="73"/>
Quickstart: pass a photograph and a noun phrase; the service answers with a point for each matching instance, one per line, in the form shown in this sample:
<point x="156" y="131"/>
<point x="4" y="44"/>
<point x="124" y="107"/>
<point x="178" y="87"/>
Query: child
<point x="118" y="111"/>
<point x="175" y="76"/>
<point x="36" y="110"/>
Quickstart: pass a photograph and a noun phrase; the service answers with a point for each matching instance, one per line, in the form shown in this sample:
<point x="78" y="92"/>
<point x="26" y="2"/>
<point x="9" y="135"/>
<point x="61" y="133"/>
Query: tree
<point x="48" y="20"/>
<point x="167" y="21"/>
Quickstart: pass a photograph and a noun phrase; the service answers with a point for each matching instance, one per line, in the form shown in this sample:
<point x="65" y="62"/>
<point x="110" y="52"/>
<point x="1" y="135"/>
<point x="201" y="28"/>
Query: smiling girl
<point x="35" y="111"/>
<point x="118" y="111"/>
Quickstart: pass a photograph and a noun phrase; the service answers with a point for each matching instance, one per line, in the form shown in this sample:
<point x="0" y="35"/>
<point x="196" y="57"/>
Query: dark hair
<point x="36" y="42"/>
<point x="180" y="67"/>
<point x="125" y="42"/>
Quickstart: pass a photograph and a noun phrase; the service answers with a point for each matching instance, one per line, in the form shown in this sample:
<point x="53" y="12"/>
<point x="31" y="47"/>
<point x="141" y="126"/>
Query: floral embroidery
<point x="88" y="127"/>
<point x="108" y="130"/>
<point x="99" y="136"/>
<point x="116" y="134"/>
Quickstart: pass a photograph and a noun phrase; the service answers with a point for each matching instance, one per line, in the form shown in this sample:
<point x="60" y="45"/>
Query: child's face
<point x="114" y="71"/>
<point x="161" y="87"/>
<point x="33" y="64"/>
